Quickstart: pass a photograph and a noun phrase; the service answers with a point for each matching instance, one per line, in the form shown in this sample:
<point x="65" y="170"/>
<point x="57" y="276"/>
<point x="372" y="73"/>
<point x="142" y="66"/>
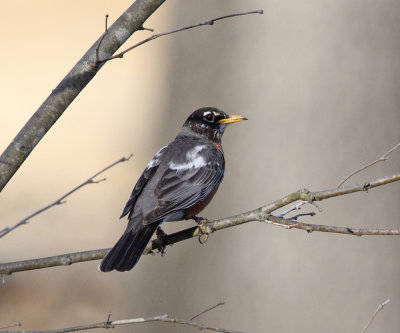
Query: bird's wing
<point x="181" y="186"/>
<point x="147" y="174"/>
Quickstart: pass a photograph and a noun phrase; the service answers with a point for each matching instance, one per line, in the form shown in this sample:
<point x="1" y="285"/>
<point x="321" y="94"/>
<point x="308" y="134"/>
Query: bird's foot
<point x="199" y="219"/>
<point x="201" y="222"/>
<point x="160" y="240"/>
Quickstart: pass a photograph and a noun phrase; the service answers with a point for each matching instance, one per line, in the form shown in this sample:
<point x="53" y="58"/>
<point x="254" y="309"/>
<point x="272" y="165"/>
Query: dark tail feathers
<point x="128" y="250"/>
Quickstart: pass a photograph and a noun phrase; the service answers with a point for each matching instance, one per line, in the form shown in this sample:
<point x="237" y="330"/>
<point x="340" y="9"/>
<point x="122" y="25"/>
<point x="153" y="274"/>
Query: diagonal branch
<point x="155" y="36"/>
<point x="77" y="79"/>
<point x="70" y="87"/>
<point x="261" y="214"/>
<point x="60" y="201"/>
<point x="207" y="310"/>
<point x="383" y="158"/>
<point x="378" y="309"/>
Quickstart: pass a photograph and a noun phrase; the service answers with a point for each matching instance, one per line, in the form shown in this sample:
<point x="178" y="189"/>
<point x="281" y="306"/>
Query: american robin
<point x="177" y="184"/>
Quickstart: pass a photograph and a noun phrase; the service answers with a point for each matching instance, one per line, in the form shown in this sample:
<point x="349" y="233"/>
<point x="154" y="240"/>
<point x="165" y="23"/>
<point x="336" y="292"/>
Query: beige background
<point x="319" y="82"/>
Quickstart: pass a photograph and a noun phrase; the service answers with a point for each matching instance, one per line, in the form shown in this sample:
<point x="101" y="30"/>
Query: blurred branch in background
<point x="378" y="309"/>
<point x="70" y="87"/>
<point x="261" y="214"/>
<point x="162" y="318"/>
<point x="61" y="201"/>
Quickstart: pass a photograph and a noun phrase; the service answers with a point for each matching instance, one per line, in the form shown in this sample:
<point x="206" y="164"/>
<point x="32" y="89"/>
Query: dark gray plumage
<point x="177" y="184"/>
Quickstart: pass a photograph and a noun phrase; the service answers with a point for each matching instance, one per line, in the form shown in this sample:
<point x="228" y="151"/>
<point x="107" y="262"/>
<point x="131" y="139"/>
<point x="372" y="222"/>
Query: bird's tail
<point x="126" y="253"/>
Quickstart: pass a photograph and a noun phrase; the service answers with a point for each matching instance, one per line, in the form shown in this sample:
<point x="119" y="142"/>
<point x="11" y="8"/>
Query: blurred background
<point x="319" y="82"/>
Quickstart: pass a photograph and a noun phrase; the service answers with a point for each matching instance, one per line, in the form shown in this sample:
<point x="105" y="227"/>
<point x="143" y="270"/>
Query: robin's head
<point x="210" y="122"/>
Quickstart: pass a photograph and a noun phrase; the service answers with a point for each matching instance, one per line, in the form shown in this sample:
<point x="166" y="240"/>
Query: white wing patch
<point x="156" y="159"/>
<point x="194" y="161"/>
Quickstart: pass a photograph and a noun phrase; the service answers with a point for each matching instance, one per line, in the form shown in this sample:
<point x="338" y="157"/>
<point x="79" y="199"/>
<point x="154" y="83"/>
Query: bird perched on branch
<point x="177" y="184"/>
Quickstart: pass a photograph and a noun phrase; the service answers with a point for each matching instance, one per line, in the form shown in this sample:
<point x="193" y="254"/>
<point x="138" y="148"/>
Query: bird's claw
<point x="160" y="240"/>
<point x="203" y="237"/>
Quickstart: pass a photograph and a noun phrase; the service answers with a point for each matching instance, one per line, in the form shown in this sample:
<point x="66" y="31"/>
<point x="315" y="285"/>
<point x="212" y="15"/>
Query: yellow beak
<point x="232" y="119"/>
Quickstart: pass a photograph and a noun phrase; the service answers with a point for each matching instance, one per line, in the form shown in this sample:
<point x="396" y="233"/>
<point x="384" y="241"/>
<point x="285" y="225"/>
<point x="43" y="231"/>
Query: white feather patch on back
<point x="193" y="160"/>
<point x="156" y="159"/>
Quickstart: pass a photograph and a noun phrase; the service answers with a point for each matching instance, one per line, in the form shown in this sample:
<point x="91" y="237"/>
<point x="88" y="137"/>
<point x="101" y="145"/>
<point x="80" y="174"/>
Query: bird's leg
<point x="201" y="221"/>
<point x="160" y="240"/>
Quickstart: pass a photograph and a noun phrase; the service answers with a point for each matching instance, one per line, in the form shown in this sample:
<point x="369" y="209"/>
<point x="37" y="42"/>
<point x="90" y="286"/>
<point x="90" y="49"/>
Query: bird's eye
<point x="209" y="117"/>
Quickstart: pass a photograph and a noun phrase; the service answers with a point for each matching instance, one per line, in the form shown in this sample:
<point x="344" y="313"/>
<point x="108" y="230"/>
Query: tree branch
<point x="379" y="308"/>
<point x="10" y="325"/>
<point x="60" y="201"/>
<point x="383" y="158"/>
<point x="261" y="214"/>
<point x="111" y="324"/>
<point x="70" y="87"/>
<point x="155" y="36"/>
<point x="80" y="75"/>
<point x="206" y="310"/>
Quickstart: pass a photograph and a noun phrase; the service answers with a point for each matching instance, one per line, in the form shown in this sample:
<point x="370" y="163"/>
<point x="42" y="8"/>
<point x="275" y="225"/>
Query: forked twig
<point x="60" y="201"/>
<point x="380" y="159"/>
<point x="209" y="22"/>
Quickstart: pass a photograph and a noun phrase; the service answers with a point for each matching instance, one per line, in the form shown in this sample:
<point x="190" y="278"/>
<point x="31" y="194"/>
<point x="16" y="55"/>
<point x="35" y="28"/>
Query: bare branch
<point x="70" y="87"/>
<point x="153" y="37"/>
<point x="206" y="310"/>
<point x="111" y="324"/>
<point x="261" y="214"/>
<point x="80" y="75"/>
<point x="60" y="260"/>
<point x="295" y="207"/>
<point x="101" y="39"/>
<point x="379" y="308"/>
<point x="60" y="201"/>
<point x="11" y="325"/>
<point x="290" y="224"/>
<point x="380" y="159"/>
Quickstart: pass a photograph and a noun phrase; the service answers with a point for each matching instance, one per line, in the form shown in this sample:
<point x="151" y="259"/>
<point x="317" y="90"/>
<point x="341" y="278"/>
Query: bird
<point x="176" y="184"/>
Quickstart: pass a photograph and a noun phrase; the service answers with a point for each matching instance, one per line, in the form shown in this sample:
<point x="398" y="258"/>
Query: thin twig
<point x="295" y="207"/>
<point x="277" y="224"/>
<point x="11" y="325"/>
<point x="379" y="308"/>
<point x="111" y="324"/>
<point x="206" y="310"/>
<point x="256" y="215"/>
<point x="153" y="37"/>
<point x="106" y="23"/>
<point x="380" y="159"/>
<point x="302" y="214"/>
<point x="101" y="39"/>
<point x="60" y="201"/>
<point x="146" y="29"/>
<point x="289" y="224"/>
